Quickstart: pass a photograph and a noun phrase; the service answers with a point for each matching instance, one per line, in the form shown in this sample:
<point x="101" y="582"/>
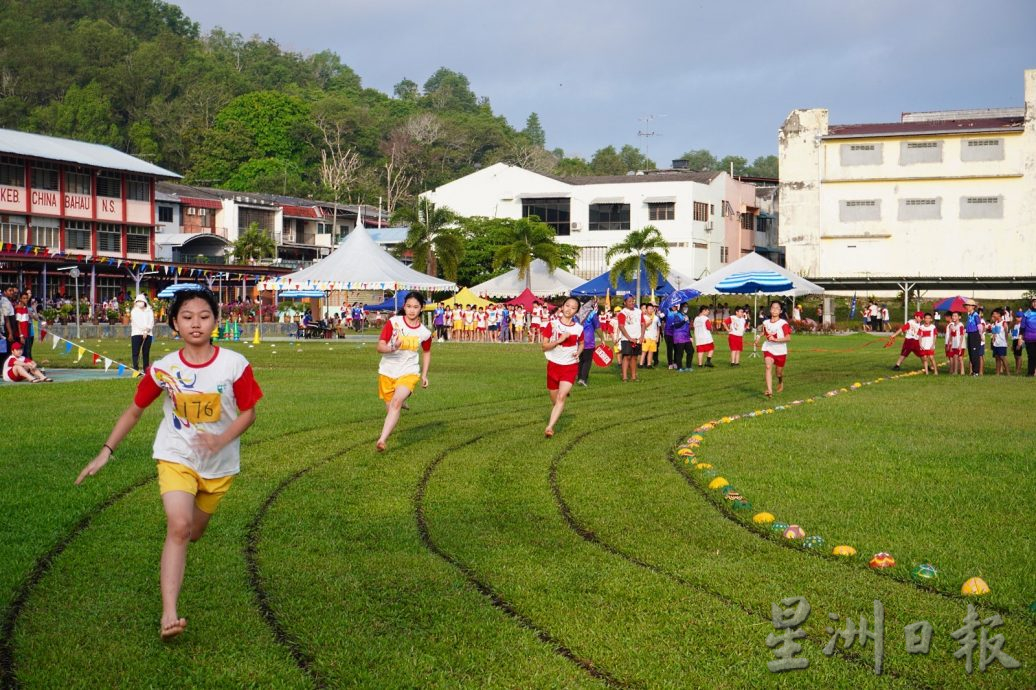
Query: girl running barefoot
<point x="775" y="348"/>
<point x="401" y="339"/>
<point x="210" y="401"/>
<point x="562" y="345"/>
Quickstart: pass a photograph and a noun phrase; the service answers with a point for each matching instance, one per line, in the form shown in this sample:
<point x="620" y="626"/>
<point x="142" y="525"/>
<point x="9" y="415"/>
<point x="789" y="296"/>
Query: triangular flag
<point x="43" y="334"/>
<point x="107" y="364"/>
<point x="97" y="358"/>
<point x="81" y="352"/>
<point x="122" y="369"/>
<point x="68" y="347"/>
<point x="136" y="373"/>
<point x="55" y="343"/>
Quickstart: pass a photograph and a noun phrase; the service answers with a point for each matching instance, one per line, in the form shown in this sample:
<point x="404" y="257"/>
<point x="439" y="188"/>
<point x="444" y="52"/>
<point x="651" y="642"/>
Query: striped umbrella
<point x="766" y="282"/>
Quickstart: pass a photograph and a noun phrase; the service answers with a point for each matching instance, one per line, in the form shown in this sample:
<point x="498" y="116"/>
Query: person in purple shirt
<point x="591" y="324"/>
<point x="505" y="325"/>
<point x="667" y="333"/>
<point x="682" y="337"/>
<point x="1028" y="329"/>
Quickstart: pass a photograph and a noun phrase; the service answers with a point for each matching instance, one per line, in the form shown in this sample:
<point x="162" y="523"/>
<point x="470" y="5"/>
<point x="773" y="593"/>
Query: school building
<point x="938" y="201"/>
<point x="708" y="219"/>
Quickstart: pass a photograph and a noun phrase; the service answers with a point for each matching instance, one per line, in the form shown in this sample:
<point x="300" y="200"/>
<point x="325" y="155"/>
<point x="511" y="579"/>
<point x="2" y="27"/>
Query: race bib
<point x="198" y="408"/>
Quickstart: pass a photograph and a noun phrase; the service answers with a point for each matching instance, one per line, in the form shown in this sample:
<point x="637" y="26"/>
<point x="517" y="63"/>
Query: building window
<point x="972" y="207"/>
<point x="724" y="255"/>
<point x="45" y="176"/>
<point x="701" y="211"/>
<point x="77" y="235"/>
<point x="138" y="239"/>
<point x="246" y="216"/>
<point x="664" y="210"/>
<point x="109" y="237"/>
<point x="12" y="229"/>
<point x="46" y="232"/>
<point x="109" y="288"/>
<point x="109" y="185"/>
<point x="555" y="212"/>
<point x="77" y="182"/>
<point x="912" y="152"/>
<point x="609" y="217"/>
<point x="748" y="221"/>
<point x="12" y="171"/>
<point x="138" y="188"/>
<point x="165" y="214"/>
<point x="860" y="154"/>
<point x="920" y="209"/>
<point x="324" y="228"/>
<point x="856" y="210"/>
<point x="982" y="150"/>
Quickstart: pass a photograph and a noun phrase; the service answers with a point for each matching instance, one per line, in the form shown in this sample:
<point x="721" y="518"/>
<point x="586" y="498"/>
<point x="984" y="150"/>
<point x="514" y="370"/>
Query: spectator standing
<point x="586" y="357"/>
<point x="681" y="338"/>
<point x="1028" y="330"/>
<point x="10" y="322"/>
<point x="973" y="333"/>
<point x="22" y="316"/>
<point x="142" y="324"/>
<point x="630" y="327"/>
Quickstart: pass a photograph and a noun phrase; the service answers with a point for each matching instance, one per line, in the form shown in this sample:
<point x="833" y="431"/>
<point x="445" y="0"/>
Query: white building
<point x="936" y="195"/>
<point x="691" y="210"/>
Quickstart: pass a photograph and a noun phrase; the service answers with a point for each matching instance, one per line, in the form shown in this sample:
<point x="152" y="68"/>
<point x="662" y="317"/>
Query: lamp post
<point x="74" y="273"/>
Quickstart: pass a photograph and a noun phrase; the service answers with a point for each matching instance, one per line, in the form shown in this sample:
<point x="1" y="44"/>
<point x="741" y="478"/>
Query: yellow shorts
<point x="650" y="345"/>
<point x="469" y="326"/>
<point x="387" y="387"/>
<point x="172" y="476"/>
<point x="457" y="325"/>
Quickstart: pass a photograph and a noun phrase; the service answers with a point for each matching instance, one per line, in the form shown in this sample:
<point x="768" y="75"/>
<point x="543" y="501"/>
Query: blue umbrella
<point x="678" y="298"/>
<point x="171" y="290"/>
<point x="766" y="282"/>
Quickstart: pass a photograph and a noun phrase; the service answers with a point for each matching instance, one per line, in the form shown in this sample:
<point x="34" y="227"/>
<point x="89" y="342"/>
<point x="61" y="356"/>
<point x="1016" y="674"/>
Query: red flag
<point x="97" y="358"/>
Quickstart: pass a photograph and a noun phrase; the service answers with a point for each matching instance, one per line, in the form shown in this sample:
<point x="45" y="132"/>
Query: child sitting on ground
<point x="18" y="367"/>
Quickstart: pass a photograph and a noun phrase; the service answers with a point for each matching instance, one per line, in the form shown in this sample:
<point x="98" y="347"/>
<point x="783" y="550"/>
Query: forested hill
<point x="244" y="114"/>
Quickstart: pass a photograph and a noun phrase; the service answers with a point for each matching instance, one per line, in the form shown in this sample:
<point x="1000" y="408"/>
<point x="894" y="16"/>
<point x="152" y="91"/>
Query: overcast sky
<point x="696" y="73"/>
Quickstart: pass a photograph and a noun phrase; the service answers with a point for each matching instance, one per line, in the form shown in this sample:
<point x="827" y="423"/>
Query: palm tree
<point x="525" y="240"/>
<point x="639" y="247"/>
<point x="254" y="243"/>
<point x="432" y="240"/>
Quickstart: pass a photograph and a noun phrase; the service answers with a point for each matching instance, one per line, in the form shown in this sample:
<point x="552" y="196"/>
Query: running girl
<point x="735" y="325"/>
<point x="562" y="345"/>
<point x="777" y="333"/>
<point x="400" y="340"/>
<point x="210" y="401"/>
<point x="927" y="334"/>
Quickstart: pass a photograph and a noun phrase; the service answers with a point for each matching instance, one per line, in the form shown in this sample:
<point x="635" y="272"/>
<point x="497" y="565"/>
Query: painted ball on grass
<point x="794" y="532"/>
<point x="703" y="466"/>
<point x="779" y="527"/>
<point x="924" y="572"/>
<point x="718" y="483"/>
<point x="729" y="489"/>
<point x="882" y="560"/>
<point x="975" y="587"/>
<point x="733" y="495"/>
<point x="1032" y="607"/>
<point x="843" y="550"/>
<point x="683" y="452"/>
<point x="709" y="474"/>
<point x="763" y="518"/>
<point x="813" y="541"/>
<point x="741" y="504"/>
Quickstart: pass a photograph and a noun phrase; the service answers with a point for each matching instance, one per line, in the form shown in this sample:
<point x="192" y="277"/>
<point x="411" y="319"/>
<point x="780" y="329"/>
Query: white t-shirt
<point x="199" y="398"/>
<point x="910" y="328"/>
<point x="405" y="360"/>
<point x="651" y="327"/>
<point x="926" y="337"/>
<point x="955" y="336"/>
<point x="775" y="329"/>
<point x="736" y="325"/>
<point x="630" y="319"/>
<point x="568" y="351"/>
<point x="702" y="330"/>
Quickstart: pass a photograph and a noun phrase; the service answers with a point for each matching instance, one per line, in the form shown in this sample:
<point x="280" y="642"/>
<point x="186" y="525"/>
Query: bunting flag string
<point x="97" y="357"/>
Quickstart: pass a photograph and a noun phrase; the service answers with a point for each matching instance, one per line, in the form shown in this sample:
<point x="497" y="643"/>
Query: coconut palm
<point x="638" y="248"/>
<point x="433" y="239"/>
<point x="525" y="240"/>
<point x="253" y="243"/>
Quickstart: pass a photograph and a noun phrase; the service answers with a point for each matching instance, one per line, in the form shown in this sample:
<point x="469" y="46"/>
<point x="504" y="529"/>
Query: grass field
<point x="475" y="553"/>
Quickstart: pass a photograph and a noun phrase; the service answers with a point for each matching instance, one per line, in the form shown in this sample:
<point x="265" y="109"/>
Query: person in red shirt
<point x="926" y="336"/>
<point x="562" y="344"/>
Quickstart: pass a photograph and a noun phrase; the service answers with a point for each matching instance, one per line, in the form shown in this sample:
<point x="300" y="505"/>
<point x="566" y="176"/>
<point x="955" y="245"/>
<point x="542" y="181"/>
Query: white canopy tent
<point x="543" y="282"/>
<point x="752" y="263"/>
<point x="358" y="263"/>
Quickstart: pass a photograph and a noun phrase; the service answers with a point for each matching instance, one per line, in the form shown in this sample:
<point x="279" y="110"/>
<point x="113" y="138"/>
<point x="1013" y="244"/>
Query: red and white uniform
<point x="926" y="339"/>
<point x="703" y="334"/>
<point x="21" y="315"/>
<point x="537" y="316"/>
<point x="911" y="340"/>
<point x="632" y="321"/>
<point x="480" y="321"/>
<point x="199" y="398"/>
<point x="772" y="330"/>
<point x="9" y="375"/>
<point x="735" y="332"/>
<point x="411" y="340"/>
<point x="562" y="360"/>
<point x="954" y="339"/>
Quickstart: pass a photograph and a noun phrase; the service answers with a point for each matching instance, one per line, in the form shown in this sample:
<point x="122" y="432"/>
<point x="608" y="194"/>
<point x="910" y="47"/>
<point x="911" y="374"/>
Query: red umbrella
<point x="953" y="304"/>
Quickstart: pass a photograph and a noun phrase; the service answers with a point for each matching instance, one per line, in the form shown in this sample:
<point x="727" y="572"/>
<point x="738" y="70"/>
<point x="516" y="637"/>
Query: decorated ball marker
<point x="924" y="572"/>
<point x="733" y="496"/>
<point x="779" y="527"/>
<point x="741" y="504"/>
<point x="703" y="466"/>
<point x="843" y="550"/>
<point x="729" y="488"/>
<point x="763" y="518"/>
<point x="794" y="532"/>
<point x="975" y="587"/>
<point x="813" y="541"/>
<point x="684" y="452"/>
<point x="882" y="560"/>
<point x="718" y="483"/>
<point x="708" y="474"/>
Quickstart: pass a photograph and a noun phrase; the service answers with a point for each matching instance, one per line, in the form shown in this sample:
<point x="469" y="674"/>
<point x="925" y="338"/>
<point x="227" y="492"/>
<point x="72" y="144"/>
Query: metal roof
<point x="1019" y="283"/>
<point x="991" y="124"/>
<point x="79" y="152"/>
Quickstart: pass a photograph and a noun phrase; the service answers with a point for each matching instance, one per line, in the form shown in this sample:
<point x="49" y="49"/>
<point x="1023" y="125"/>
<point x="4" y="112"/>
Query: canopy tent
<point x="358" y="263"/>
<point x="755" y="263"/>
<point x="463" y="297"/>
<point x="391" y="304"/>
<point x="602" y="284"/>
<point x="542" y="282"/>
<point x="525" y="301"/>
<point x="301" y="294"/>
<point x="764" y="282"/>
<point x="171" y="290"/>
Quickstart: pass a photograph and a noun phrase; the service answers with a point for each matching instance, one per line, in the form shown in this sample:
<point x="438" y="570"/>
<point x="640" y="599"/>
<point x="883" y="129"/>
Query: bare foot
<point x="780" y="385"/>
<point x="173" y="628"/>
<point x="380" y="446"/>
<point x="548" y="433"/>
<point x="406" y="405"/>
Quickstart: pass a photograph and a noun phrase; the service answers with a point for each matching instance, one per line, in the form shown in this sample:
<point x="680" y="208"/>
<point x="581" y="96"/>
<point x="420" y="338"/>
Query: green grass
<point x="595" y="541"/>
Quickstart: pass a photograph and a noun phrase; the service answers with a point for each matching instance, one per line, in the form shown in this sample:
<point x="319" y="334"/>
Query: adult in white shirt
<point x="142" y="324"/>
<point x="630" y="334"/>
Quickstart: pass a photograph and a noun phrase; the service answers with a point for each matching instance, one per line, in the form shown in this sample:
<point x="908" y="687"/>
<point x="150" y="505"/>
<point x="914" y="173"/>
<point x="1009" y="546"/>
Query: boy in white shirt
<point x="630" y="334"/>
<point x="735" y="325"/>
<point x="703" y="342"/>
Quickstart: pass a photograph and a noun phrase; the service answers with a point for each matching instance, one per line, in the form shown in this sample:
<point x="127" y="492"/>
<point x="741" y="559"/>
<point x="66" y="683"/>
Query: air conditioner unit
<point x="576" y="226"/>
<point x="708" y="227"/>
<point x="190" y="211"/>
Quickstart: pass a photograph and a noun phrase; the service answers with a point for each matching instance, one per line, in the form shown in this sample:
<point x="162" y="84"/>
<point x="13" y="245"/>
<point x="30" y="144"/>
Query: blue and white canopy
<point x="770" y="279"/>
<point x="171" y="290"/>
<point x="751" y="282"/>
<point x="300" y="294"/>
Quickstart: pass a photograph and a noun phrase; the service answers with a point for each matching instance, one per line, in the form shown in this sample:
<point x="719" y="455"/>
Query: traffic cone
<point x="256" y="339"/>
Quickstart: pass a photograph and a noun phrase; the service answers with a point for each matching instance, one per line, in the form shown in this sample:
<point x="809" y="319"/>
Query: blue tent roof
<point x="387" y="305"/>
<point x="603" y="283"/>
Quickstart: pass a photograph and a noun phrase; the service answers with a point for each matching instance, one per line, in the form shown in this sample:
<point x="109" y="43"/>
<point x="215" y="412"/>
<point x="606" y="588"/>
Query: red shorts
<point x="556" y="373"/>
<point x="707" y="347"/>
<point x="736" y="342"/>
<point x="778" y="360"/>
<point x="954" y="352"/>
<point x="926" y="353"/>
<point x="910" y="345"/>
